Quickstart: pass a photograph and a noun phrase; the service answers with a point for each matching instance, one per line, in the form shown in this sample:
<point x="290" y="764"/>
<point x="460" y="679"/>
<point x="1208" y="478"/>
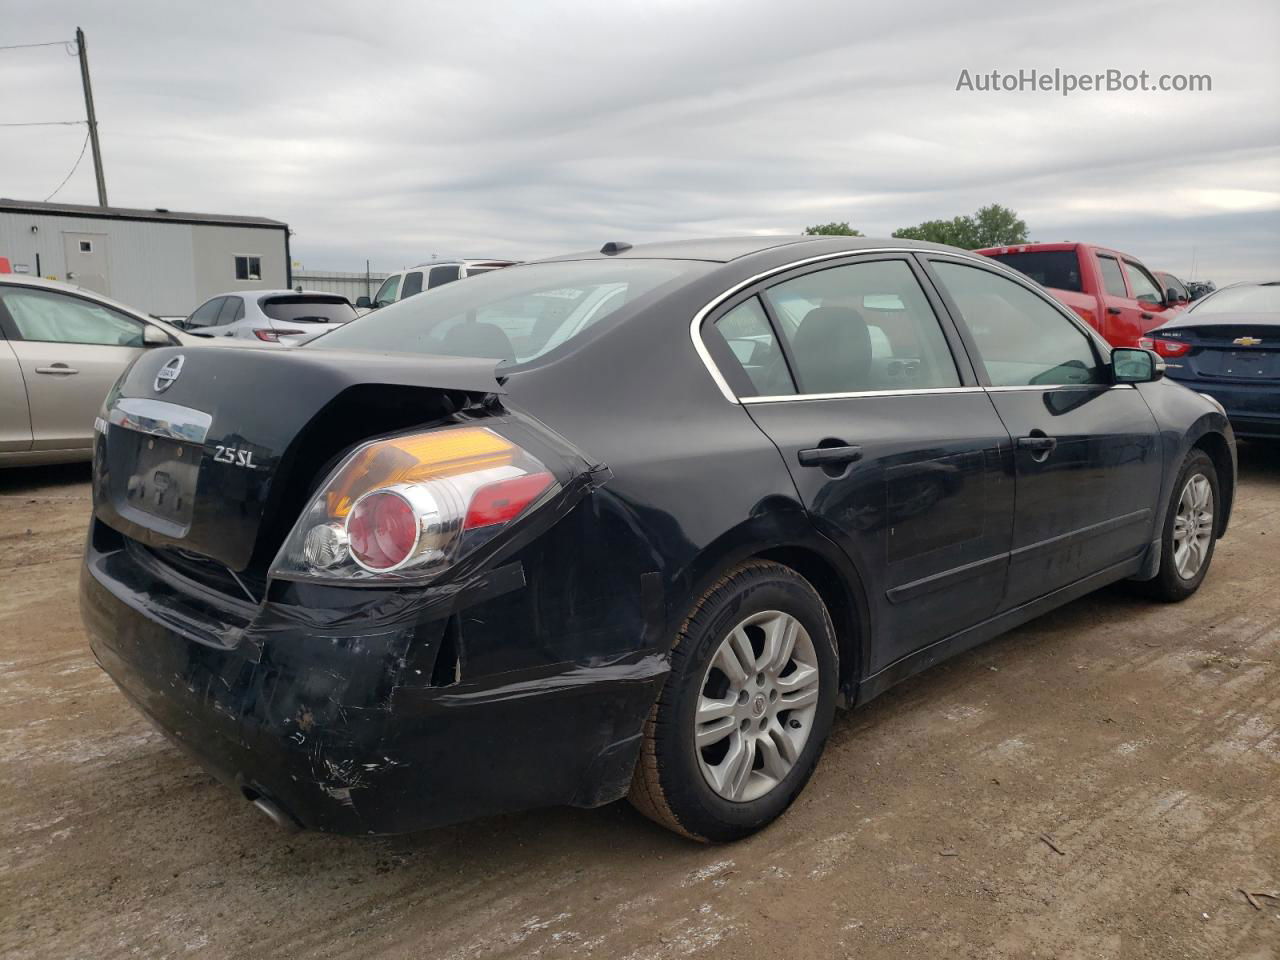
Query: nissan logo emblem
<point x="168" y="373"/>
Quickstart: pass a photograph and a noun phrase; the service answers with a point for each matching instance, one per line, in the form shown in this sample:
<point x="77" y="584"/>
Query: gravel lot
<point x="1142" y="741"/>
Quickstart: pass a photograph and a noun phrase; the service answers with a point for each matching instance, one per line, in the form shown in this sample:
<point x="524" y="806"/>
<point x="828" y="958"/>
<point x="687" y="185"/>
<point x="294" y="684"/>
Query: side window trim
<point x="959" y="350"/>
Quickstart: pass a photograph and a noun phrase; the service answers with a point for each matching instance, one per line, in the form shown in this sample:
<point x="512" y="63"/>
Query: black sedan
<point x="621" y="524"/>
<point x="1227" y="345"/>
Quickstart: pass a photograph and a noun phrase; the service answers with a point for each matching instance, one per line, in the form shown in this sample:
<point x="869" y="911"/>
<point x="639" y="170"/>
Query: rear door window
<point x="232" y="310"/>
<point x="412" y="284"/>
<point x="862" y="327"/>
<point x="1112" y="278"/>
<point x="442" y="275"/>
<point x="750" y="338"/>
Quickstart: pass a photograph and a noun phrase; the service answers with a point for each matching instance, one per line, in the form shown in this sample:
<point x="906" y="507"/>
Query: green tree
<point x="832" y="229"/>
<point x="997" y="226"/>
<point x="957" y="232"/>
<point x="991" y="226"/>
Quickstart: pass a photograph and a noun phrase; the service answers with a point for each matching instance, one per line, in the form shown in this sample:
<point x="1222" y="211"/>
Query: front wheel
<point x="1190" y="530"/>
<point x="746" y="709"/>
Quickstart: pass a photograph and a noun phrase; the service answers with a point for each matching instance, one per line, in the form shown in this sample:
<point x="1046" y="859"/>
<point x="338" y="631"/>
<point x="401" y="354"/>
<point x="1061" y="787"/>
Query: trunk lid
<point x="212" y="452"/>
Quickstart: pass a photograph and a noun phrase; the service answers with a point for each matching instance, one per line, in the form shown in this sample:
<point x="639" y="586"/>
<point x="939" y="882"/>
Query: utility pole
<point x="93" y="118"/>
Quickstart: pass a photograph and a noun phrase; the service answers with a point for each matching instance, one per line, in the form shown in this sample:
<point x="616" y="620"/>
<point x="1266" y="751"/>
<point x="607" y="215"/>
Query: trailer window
<point x="248" y="268"/>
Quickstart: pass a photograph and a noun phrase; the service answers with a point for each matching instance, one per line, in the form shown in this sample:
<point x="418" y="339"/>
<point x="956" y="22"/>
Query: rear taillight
<point x="410" y="506"/>
<point x="1165" y="348"/>
<point x="273" y="336"/>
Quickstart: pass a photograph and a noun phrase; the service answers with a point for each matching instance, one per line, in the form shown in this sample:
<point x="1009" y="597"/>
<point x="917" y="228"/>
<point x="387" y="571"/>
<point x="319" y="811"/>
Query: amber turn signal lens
<point x="410" y="459"/>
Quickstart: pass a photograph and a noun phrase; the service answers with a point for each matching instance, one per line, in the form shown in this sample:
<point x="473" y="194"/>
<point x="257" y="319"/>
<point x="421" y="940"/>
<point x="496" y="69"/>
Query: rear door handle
<point x="828" y="456"/>
<point x="1114" y="311"/>
<point x="1038" y="445"/>
<point x="59" y="369"/>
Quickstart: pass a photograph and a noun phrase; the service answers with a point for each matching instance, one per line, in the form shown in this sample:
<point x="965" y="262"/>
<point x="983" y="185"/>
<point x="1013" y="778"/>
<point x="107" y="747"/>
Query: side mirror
<point x="363" y="303"/>
<point x="155" y="337"/>
<point x="1132" y="365"/>
<point x="1171" y="296"/>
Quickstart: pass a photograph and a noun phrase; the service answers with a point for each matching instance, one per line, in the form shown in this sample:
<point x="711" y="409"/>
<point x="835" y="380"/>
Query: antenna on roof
<point x="614" y="247"/>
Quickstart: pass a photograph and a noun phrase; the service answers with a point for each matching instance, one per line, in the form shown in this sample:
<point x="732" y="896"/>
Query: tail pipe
<point x="274" y="812"/>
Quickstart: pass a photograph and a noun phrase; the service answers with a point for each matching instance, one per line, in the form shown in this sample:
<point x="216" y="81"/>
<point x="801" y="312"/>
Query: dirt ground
<point x="1142" y="742"/>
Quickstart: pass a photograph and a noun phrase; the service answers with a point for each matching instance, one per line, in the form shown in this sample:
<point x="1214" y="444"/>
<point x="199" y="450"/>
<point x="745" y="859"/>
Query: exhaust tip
<point x="275" y="813"/>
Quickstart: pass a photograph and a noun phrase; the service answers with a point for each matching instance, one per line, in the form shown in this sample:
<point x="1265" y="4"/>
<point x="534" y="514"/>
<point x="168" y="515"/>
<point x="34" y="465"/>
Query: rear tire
<point x="1190" y="531"/>
<point x="742" y="719"/>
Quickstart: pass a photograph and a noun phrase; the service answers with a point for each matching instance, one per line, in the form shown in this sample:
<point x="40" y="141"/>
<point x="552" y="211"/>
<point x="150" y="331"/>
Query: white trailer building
<point x="160" y="261"/>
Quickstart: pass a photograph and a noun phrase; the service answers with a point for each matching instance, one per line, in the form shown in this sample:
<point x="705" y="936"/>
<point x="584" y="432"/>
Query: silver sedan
<point x="61" y="349"/>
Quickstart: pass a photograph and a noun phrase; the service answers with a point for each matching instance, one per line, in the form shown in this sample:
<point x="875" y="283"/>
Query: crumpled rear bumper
<point x="342" y="717"/>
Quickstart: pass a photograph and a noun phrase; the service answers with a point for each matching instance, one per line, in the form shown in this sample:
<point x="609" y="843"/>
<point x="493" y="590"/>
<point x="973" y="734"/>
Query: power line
<point x="50" y="43"/>
<point x="83" y="147"/>
<point x="46" y="123"/>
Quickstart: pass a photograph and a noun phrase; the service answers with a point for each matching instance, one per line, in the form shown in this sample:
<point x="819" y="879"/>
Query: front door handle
<point x="1039" y="446"/>
<point x="58" y="369"/>
<point x="829" y="456"/>
<point x="1147" y="316"/>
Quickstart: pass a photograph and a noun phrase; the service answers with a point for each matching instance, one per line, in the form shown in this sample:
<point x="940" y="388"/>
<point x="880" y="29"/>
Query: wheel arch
<point x="848" y="614"/>
<point x="1219" y="450"/>
<point x="787" y="537"/>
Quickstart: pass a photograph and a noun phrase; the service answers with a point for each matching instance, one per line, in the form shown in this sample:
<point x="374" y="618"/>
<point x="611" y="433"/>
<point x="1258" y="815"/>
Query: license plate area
<point x="162" y="482"/>
<point x="1251" y="363"/>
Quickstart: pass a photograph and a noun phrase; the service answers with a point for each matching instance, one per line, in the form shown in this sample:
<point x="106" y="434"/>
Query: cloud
<point x="396" y="131"/>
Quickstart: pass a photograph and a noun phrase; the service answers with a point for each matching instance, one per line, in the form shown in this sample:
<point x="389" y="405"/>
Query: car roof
<point x="466" y="262"/>
<point x="726" y="249"/>
<point x="259" y="294"/>
<point x="714" y="249"/>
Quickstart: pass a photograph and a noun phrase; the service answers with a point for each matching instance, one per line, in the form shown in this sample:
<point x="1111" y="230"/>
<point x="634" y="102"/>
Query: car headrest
<point x="833" y="350"/>
<point x="478" y="340"/>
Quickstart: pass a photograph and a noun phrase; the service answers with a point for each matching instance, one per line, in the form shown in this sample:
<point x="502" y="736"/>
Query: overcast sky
<point x="395" y="131"/>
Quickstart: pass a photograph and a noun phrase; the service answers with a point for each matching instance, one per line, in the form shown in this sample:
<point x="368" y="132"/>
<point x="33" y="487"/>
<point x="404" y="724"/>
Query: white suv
<point x="424" y="276"/>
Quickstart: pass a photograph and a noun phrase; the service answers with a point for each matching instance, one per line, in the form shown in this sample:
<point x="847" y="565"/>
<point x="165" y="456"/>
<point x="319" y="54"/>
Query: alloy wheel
<point x="1193" y="526"/>
<point x="756" y="706"/>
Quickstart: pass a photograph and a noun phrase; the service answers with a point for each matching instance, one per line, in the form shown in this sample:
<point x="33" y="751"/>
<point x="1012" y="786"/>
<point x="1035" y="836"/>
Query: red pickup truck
<point x="1112" y="291"/>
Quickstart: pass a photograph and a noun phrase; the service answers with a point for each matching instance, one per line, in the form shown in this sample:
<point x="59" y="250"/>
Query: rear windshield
<point x="516" y="314"/>
<point x="1255" y="298"/>
<point x="309" y="308"/>
<point x="1059" y="269"/>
